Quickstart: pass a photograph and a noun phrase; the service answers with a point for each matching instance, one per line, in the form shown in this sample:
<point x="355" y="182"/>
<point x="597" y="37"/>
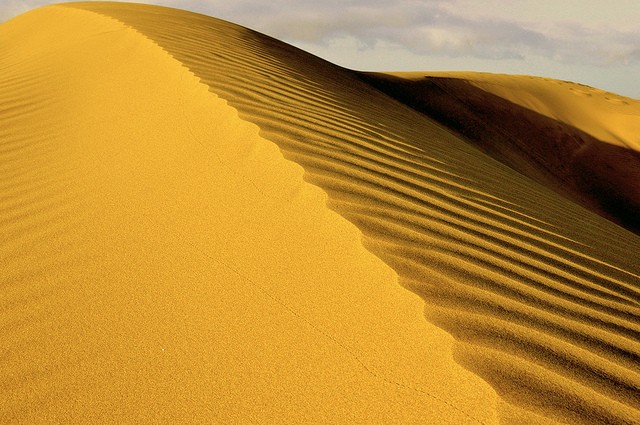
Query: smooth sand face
<point x="167" y="263"/>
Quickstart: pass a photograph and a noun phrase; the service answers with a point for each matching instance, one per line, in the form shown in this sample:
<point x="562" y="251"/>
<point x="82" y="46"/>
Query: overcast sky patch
<point x="582" y="34"/>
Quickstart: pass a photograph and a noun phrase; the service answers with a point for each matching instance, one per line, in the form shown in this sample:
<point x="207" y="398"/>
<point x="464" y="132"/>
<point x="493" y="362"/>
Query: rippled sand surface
<point x="200" y="223"/>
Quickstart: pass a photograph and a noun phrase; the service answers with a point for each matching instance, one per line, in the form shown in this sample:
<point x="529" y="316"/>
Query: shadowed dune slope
<point x="540" y="294"/>
<point x="581" y="142"/>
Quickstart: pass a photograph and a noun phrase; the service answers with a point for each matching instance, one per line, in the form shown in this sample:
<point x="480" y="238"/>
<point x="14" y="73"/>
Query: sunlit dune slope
<point x="582" y="142"/>
<point x="164" y="262"/>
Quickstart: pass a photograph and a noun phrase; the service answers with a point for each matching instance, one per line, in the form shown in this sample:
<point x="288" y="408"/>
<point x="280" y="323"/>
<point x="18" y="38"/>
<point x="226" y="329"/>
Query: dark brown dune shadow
<point x="599" y="176"/>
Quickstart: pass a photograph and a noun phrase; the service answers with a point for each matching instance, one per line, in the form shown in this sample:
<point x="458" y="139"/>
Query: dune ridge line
<point x="269" y="85"/>
<point x="164" y="296"/>
<point x="541" y="295"/>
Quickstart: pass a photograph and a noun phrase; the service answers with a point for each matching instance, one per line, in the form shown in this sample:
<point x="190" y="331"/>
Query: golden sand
<point x="202" y="224"/>
<point x="581" y="142"/>
<point x="607" y="116"/>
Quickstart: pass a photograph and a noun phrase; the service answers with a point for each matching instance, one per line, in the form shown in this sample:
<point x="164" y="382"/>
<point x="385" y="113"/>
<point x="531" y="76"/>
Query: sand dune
<point x="579" y="141"/>
<point x="203" y="224"/>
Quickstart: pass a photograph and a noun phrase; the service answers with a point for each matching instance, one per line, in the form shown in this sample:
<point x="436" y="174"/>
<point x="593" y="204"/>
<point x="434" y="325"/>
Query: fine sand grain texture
<point x="203" y="224"/>
<point x="162" y="263"/>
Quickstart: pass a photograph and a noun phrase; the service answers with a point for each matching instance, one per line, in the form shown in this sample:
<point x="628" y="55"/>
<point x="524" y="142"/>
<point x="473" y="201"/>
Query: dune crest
<point x="163" y="263"/>
<point x="541" y="295"/>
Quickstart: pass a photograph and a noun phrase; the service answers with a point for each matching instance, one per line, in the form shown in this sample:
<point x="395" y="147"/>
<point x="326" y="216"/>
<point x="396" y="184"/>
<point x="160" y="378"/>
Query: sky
<point x="593" y="42"/>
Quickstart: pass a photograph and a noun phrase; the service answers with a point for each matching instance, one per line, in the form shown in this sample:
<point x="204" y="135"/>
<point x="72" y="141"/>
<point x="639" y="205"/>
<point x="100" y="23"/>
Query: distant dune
<point x="582" y="142"/>
<point x="202" y="224"/>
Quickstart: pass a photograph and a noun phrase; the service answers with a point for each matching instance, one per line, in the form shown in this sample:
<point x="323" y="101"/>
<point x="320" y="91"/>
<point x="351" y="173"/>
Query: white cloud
<point x="430" y="27"/>
<point x="584" y="33"/>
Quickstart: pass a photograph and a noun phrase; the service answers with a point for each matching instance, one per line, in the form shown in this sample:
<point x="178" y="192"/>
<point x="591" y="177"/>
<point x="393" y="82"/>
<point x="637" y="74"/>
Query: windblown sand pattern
<point x="540" y="294"/>
<point x="587" y="150"/>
